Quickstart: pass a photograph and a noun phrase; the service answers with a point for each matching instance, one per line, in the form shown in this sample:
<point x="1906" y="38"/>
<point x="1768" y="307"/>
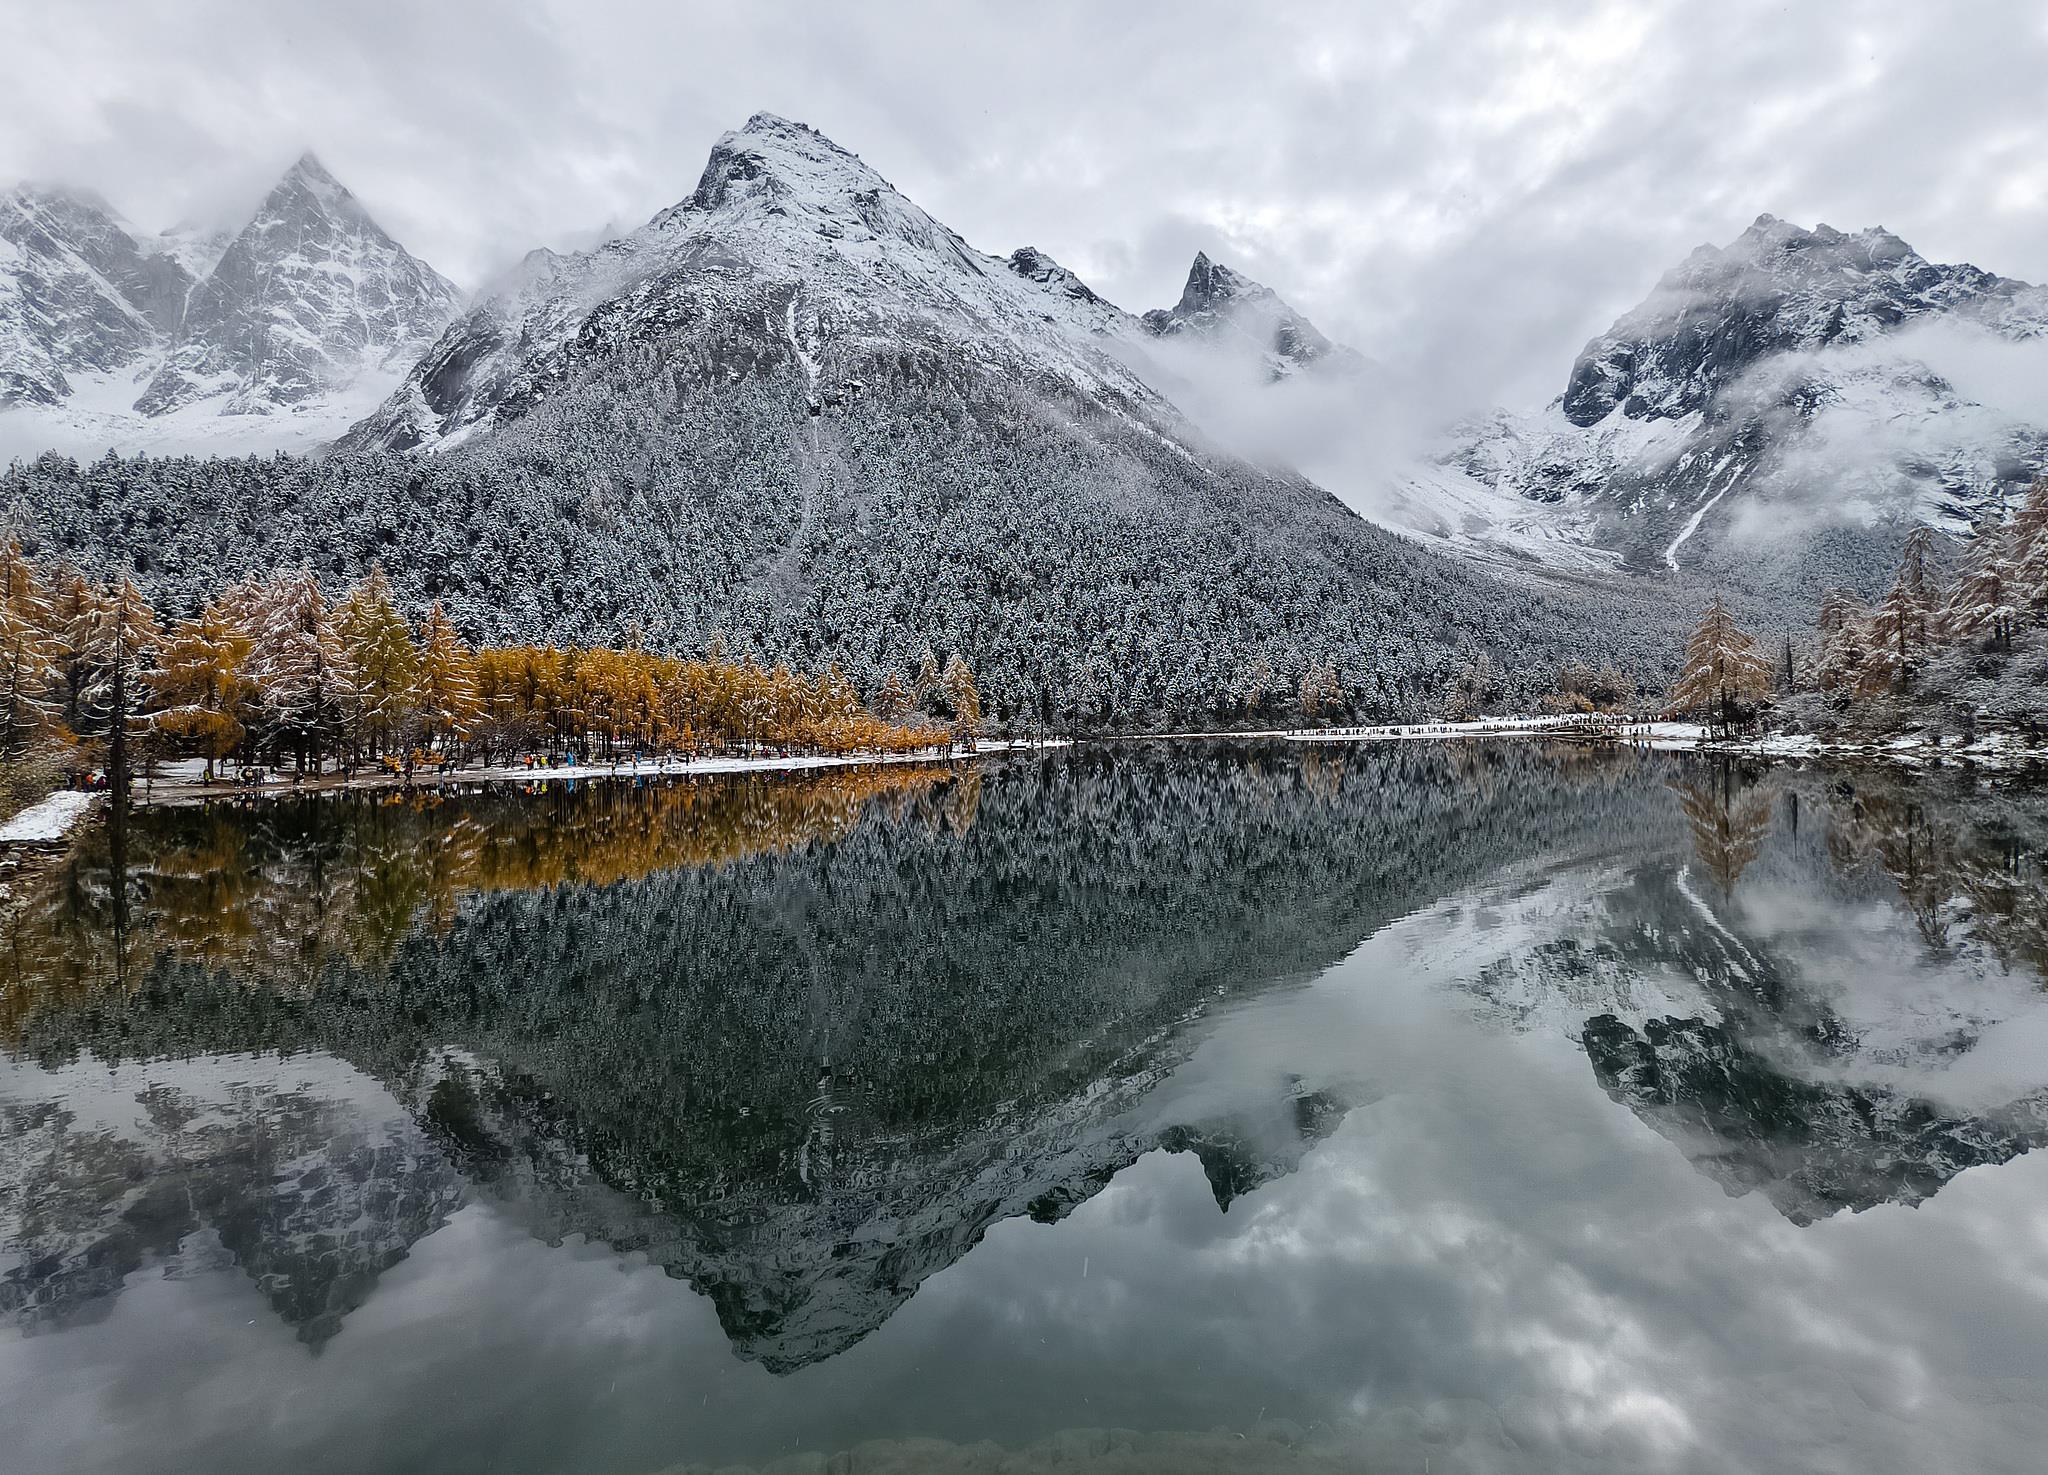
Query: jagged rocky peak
<point x="1228" y="308"/>
<point x="309" y="295"/>
<point x="78" y="294"/>
<point x="788" y="242"/>
<point x="1776" y="288"/>
<point x="1034" y="265"/>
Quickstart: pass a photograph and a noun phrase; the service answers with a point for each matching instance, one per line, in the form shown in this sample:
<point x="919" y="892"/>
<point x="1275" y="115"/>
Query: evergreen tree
<point x="2028" y="552"/>
<point x="1981" y="605"/>
<point x="27" y="649"/>
<point x="892" y="698"/>
<point x="924" y="688"/>
<point x="1724" y="669"/>
<point x="1904" y="624"/>
<point x="122" y="642"/>
<point x="299" y="663"/>
<point x="1844" y="640"/>
<point x="963" y="699"/>
<point x="1473" y="691"/>
<point x="76" y="617"/>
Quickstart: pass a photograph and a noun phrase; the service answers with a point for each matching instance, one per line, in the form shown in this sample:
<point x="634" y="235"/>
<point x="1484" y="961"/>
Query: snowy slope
<point x="1791" y="380"/>
<point x="77" y="293"/>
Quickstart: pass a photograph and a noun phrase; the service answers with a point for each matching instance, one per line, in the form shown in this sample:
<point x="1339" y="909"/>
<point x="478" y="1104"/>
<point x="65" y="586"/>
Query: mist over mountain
<point x="1782" y="407"/>
<point x="797" y="412"/>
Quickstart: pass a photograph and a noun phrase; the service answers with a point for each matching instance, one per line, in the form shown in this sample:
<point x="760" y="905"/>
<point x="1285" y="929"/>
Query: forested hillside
<point x="1089" y="579"/>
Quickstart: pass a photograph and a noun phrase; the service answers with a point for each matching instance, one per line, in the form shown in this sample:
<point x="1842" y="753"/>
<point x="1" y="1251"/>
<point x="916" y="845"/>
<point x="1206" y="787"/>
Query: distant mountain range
<point x="795" y="412"/>
<point x="1793" y="376"/>
<point x="104" y="331"/>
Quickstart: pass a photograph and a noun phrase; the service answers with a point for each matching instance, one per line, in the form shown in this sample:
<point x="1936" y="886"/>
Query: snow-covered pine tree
<point x="1844" y="641"/>
<point x="1473" y="691"/>
<point x="75" y="617"/>
<point x="119" y="639"/>
<point x="892" y="698"/>
<point x="1981" y="604"/>
<point x="926" y="684"/>
<point x="1724" y="671"/>
<point x="299" y="663"/>
<point x="1905" y="623"/>
<point x="27" y="649"/>
<point x="382" y="661"/>
<point x="2028" y="552"/>
<point x="963" y="698"/>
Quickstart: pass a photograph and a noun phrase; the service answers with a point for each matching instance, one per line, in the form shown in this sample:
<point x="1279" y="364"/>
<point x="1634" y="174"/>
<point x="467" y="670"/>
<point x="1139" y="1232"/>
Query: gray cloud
<point x="1465" y="191"/>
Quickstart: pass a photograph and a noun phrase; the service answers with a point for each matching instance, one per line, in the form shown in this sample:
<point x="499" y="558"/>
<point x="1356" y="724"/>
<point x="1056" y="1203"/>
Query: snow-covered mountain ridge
<point x="1790" y="380"/>
<point x="788" y="230"/>
<point x="108" y="336"/>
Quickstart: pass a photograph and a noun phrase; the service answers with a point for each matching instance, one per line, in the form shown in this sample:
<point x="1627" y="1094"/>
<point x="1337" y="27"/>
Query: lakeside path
<point x="186" y="790"/>
<point x="1993" y="750"/>
<point x="49" y="819"/>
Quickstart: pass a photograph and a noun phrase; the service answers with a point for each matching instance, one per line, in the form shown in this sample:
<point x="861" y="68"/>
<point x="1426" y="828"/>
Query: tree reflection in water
<point x="801" y="1041"/>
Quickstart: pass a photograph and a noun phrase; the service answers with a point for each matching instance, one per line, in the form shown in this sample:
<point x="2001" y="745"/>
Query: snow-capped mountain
<point x="788" y="238"/>
<point x="109" y="337"/>
<point x="1221" y="307"/>
<point x="311" y="294"/>
<point x="298" y="1175"/>
<point x="78" y="293"/>
<point x="1808" y="377"/>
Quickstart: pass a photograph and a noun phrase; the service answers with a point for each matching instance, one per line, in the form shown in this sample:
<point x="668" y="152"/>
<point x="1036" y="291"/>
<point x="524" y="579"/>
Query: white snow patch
<point x="48" y="820"/>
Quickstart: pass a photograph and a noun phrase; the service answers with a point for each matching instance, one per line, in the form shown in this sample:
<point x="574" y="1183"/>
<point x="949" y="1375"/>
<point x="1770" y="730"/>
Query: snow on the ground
<point x="179" y="784"/>
<point x="48" y="820"/>
<point x="1397" y="732"/>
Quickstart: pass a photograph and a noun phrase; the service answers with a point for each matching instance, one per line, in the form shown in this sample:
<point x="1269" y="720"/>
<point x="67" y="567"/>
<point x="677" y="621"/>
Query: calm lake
<point x="1476" y="1107"/>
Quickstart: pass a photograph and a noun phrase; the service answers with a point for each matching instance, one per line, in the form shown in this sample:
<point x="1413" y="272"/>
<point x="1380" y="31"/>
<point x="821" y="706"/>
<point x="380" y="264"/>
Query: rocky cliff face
<point x="103" y="330"/>
<point x="78" y="293"/>
<point x="1776" y="289"/>
<point x="309" y="295"/>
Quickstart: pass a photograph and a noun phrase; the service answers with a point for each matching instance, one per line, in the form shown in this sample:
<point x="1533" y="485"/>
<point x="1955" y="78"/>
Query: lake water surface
<point x="1478" y="1107"/>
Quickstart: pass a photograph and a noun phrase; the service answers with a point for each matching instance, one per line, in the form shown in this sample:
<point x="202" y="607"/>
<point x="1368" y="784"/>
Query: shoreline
<point x="1992" y="750"/>
<point x="48" y="823"/>
<point x="175" y="792"/>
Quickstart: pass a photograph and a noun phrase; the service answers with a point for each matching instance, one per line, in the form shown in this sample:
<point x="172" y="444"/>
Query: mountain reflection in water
<point x="804" y="1042"/>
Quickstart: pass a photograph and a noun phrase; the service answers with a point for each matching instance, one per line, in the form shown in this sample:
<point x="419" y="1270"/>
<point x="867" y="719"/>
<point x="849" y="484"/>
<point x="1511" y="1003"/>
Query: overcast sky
<point x="1474" y="188"/>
